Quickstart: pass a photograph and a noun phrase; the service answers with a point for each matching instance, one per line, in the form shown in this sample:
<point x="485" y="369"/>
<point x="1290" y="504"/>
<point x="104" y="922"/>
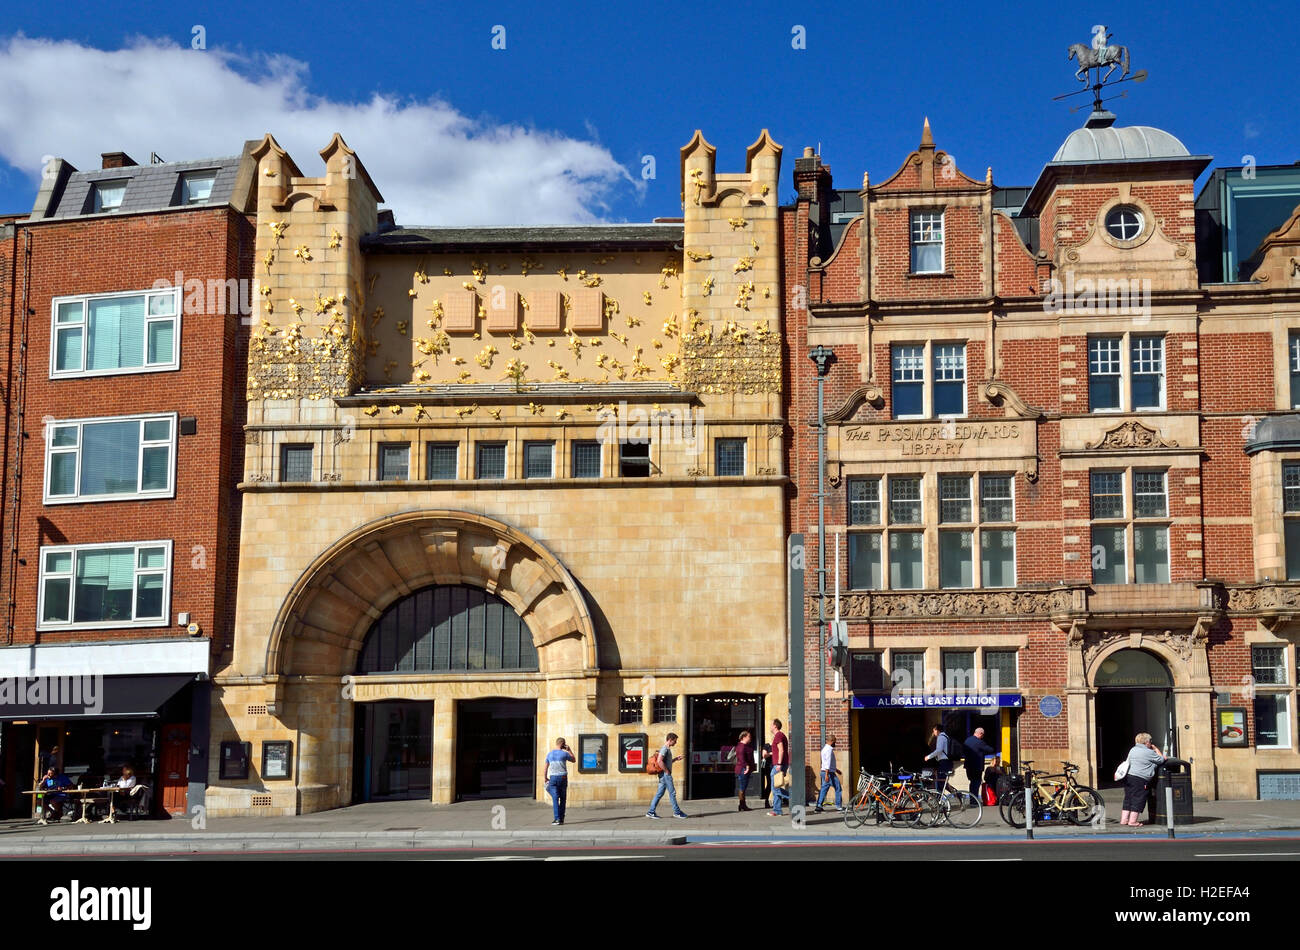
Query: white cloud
<point x="434" y="165"/>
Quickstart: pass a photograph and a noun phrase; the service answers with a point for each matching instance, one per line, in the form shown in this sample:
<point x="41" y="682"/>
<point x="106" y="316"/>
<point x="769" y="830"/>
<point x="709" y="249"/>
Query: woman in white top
<point x="128" y="777"/>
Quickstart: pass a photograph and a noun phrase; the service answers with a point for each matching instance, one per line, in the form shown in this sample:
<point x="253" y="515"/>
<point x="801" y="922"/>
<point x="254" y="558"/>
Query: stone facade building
<point x="504" y="485"/>
<point x="1061" y="517"/>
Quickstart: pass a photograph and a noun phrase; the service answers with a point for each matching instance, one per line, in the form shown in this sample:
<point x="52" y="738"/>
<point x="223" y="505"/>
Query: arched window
<point x="1136" y="668"/>
<point x="448" y="629"/>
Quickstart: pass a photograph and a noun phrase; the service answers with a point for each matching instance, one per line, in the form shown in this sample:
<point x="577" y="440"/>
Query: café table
<point x="85" y="794"/>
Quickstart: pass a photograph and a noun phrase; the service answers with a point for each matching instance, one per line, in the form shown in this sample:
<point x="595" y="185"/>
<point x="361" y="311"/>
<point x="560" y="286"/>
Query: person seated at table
<point x="53" y="782"/>
<point x="128" y="777"/>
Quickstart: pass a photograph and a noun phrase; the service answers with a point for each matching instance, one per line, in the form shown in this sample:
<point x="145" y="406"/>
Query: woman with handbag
<point x="744" y="765"/>
<point x="1136" y="772"/>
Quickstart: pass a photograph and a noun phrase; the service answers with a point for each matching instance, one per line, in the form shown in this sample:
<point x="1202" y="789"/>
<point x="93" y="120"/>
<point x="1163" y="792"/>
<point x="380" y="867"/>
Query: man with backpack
<point x="662" y="764"/>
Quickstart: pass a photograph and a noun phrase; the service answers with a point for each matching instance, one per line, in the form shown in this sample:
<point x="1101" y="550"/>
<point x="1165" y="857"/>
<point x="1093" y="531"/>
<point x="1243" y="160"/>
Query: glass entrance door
<point x="715" y="723"/>
<point x="394" y="743"/>
<point x="496" y="743"/>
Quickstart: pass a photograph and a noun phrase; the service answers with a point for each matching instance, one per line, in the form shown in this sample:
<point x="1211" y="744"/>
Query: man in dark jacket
<point x="976" y="750"/>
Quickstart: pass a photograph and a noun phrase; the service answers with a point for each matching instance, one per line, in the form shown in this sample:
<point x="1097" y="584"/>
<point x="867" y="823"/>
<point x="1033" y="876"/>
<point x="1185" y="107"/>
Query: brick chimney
<point x="116" y="160"/>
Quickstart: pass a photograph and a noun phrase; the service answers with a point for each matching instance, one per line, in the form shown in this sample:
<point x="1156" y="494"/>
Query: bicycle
<point x="961" y="808"/>
<point x="899" y="797"/>
<point x="1053" y="797"/>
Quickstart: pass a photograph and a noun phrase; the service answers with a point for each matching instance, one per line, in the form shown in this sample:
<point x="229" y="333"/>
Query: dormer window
<point x="927" y="242"/>
<point x="1124" y="223"/>
<point x="196" y="187"/>
<point x="108" y="195"/>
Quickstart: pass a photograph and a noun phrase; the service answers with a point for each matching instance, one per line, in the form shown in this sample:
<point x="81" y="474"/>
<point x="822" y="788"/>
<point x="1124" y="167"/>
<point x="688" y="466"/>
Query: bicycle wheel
<point x="1083" y="805"/>
<point x="903" y="811"/>
<point x="934" y="809"/>
<point x="964" y="809"/>
<point x="858" y="810"/>
<point x="1014" y="812"/>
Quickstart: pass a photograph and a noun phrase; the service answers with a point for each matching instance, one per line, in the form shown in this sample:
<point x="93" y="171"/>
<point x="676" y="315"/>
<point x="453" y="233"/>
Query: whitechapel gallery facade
<point x="503" y="485"/>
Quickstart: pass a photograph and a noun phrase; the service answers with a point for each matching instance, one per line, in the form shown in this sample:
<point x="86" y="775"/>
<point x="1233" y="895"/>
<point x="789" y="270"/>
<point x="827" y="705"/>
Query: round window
<point x="1124" y="223"/>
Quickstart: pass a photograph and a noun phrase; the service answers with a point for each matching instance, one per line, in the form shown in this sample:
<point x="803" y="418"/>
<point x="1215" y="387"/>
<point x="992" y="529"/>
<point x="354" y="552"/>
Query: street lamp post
<point x="823" y="357"/>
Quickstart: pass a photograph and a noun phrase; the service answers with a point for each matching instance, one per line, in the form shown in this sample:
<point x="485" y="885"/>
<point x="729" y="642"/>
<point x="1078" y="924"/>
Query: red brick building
<point x="1060" y="517"/>
<point x="124" y="359"/>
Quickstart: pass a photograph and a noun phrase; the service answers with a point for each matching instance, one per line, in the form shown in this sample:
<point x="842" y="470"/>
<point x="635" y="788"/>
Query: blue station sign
<point x="939" y="701"/>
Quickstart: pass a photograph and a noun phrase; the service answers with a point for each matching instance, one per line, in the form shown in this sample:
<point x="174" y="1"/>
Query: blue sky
<point x="555" y="126"/>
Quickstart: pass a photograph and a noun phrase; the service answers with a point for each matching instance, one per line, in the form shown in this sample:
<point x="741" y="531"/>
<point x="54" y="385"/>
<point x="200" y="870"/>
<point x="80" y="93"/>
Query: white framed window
<point x="196" y="187"/>
<point x="943" y="394"/>
<point x="1124" y="223"/>
<point x="112" y="458"/>
<point x="1129" y="549"/>
<point x="1293" y="360"/>
<point x="107" y="195"/>
<point x="1138" y="358"/>
<point x="927" y="242"/>
<point x="105" y="585"/>
<point x="106" y="334"/>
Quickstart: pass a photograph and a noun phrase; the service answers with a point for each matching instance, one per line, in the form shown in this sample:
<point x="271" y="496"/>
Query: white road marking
<point x="598" y="857"/>
<point x="986" y="859"/>
<point x="1252" y="854"/>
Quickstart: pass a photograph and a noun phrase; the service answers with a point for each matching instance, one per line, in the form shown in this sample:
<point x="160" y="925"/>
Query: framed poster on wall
<point x="234" y="759"/>
<point x="632" y="751"/>
<point x="1231" y="727"/>
<point x="593" y="753"/>
<point x="277" y="759"/>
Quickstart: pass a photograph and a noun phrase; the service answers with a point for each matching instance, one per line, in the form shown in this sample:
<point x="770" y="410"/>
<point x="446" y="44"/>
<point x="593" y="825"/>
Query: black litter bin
<point x="1176" y="773"/>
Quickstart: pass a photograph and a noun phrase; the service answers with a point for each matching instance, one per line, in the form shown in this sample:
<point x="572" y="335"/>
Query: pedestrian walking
<point x="976" y="750"/>
<point x="1138" y="770"/>
<point x="830" y="776"/>
<point x="556" y="777"/>
<point x="780" y="768"/>
<point x="744" y="766"/>
<point x="665" y="756"/>
<point x="765" y="773"/>
<point x="945" y="752"/>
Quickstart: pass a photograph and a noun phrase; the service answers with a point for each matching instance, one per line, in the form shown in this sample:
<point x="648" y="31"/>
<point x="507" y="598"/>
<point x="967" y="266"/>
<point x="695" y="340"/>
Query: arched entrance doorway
<point x="1134" y="694"/>
<point x="440" y="629"/>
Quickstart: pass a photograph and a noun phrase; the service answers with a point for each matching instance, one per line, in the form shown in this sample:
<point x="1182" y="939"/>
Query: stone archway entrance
<point x="343" y="649"/>
<point x="1134" y="694"/>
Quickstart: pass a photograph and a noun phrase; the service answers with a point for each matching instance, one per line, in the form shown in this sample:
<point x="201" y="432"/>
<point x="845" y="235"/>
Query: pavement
<point x="519" y="823"/>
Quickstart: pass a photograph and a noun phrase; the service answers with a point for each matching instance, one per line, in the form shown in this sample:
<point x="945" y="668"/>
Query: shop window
<point x="441" y="460"/>
<point x="1000" y="669"/>
<point x="394" y="461"/>
<point x="295" y="463"/>
<point x="1272" y="721"/>
<point x="665" y="709"/>
<point x="586" y="459"/>
<point x="630" y="710"/>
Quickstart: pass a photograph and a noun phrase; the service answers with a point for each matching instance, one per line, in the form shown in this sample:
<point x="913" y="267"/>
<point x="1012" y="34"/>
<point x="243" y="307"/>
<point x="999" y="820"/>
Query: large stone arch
<point x="322" y="623"/>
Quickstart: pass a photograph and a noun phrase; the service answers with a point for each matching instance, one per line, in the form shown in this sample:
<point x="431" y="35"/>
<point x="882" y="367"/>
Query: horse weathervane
<point x="1095" y="57"/>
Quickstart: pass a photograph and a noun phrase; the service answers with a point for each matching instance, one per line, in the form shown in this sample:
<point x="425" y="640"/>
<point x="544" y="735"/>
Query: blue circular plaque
<point x="1050" y="706"/>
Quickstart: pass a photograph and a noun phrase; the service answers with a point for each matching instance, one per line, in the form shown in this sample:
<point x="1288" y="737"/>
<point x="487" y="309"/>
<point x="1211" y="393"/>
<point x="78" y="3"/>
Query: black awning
<point x="87" y="697"/>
